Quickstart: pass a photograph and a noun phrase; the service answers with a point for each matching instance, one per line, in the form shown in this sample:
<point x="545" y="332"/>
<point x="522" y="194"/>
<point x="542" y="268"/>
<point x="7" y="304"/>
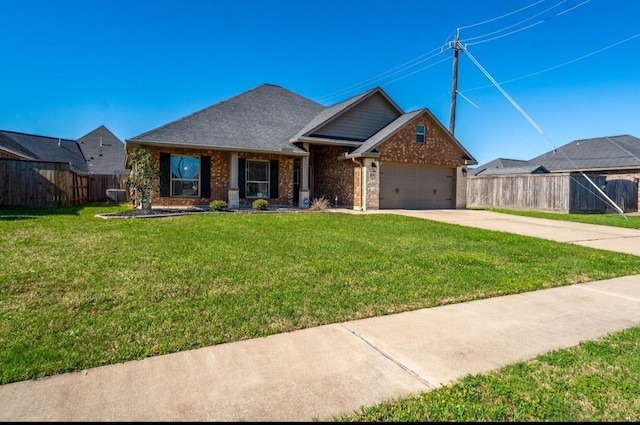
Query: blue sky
<point x="570" y="66"/>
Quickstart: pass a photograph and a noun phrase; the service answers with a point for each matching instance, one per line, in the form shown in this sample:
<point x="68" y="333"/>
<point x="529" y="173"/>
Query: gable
<point x="397" y="142"/>
<point x="360" y="122"/>
<point x="103" y="151"/>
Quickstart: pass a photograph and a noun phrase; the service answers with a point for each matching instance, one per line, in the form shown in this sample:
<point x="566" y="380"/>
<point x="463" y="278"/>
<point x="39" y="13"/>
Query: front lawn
<point x="78" y="291"/>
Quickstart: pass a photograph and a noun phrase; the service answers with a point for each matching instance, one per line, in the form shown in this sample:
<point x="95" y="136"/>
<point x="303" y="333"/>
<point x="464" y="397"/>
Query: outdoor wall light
<point x="374" y="165"/>
<point x="464" y="172"/>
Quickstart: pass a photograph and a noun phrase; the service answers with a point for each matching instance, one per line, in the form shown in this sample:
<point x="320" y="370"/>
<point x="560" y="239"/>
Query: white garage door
<point x="410" y="186"/>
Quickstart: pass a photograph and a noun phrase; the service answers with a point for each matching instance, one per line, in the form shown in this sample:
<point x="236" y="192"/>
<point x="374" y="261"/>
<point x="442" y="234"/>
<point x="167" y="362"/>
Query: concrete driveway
<point x="594" y="236"/>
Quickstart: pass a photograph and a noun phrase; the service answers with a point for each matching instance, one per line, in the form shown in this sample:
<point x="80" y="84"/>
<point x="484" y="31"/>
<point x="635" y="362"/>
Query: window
<point x="185" y="175"/>
<point x="420" y="133"/>
<point x="257" y="183"/>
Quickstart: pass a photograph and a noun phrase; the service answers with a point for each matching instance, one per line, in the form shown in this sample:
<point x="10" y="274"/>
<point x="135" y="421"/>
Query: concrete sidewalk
<point x="320" y="372"/>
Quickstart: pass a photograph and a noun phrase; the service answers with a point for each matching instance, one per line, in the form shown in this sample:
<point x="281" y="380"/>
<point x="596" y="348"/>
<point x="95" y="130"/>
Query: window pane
<point x="185" y="167"/>
<point x="185" y="175"/>
<point x="258" y="171"/>
<point x="257" y="190"/>
<point x="420" y="138"/>
<point x="185" y="187"/>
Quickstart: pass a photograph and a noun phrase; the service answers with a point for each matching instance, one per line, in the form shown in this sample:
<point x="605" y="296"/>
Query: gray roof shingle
<point x="497" y="163"/>
<point x="45" y="148"/>
<point x="615" y="152"/>
<point x="261" y="119"/>
<point x="103" y="151"/>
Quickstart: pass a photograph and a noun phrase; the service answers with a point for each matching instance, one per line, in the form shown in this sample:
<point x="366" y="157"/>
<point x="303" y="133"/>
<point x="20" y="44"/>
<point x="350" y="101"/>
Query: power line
<point x="421" y="58"/>
<point x="500" y="17"/>
<point x="509" y="33"/>
<point x="559" y="65"/>
<point x="539" y="129"/>
<point x="383" y="75"/>
<point x="465" y="41"/>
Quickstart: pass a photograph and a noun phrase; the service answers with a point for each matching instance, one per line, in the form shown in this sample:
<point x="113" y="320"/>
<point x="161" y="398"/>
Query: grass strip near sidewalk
<point x="596" y="381"/>
<point x="629" y="221"/>
<point x="77" y="291"/>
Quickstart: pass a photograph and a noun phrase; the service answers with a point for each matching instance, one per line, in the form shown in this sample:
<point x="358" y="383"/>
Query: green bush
<point x="218" y="205"/>
<point x="260" y="204"/>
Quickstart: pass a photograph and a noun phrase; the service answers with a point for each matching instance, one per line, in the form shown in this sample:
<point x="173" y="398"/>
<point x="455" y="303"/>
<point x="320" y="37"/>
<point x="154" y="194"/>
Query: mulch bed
<point x="164" y="212"/>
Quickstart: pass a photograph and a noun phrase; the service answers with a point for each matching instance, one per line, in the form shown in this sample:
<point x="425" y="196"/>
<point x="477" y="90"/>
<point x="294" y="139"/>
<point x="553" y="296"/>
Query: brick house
<point x="271" y="143"/>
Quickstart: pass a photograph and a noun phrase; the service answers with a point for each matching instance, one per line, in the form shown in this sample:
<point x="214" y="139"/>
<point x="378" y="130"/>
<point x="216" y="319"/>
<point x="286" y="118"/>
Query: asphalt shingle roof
<point x="598" y="153"/>
<point x="104" y="152"/>
<point x="45" y="148"/>
<point x="497" y="164"/>
<point x="593" y="154"/>
<point x="529" y="169"/>
<point x="261" y="119"/>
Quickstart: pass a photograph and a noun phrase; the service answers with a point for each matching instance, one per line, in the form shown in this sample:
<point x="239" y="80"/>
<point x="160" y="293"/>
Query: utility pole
<point x="454" y="83"/>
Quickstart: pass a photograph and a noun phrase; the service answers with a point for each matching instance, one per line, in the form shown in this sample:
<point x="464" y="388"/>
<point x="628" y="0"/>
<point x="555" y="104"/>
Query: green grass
<point x="78" y="291"/>
<point x="631" y="221"/>
<point x="596" y="381"/>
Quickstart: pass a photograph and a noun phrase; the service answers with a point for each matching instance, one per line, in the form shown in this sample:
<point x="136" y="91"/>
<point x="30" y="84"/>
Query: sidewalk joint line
<point x="389" y="357"/>
<point x="607" y="293"/>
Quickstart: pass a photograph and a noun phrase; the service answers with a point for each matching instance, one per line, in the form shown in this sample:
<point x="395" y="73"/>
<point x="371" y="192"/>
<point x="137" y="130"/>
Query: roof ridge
<point x="38" y="135"/>
<point x="198" y="112"/>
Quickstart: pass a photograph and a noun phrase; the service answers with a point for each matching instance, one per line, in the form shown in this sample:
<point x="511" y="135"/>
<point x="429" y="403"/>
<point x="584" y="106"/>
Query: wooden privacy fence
<point x="26" y="183"/>
<point x="564" y="192"/>
<point x="100" y="183"/>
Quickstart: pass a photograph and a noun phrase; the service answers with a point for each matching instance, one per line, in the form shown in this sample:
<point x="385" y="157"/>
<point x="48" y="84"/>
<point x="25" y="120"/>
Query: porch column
<point x="371" y="184"/>
<point x="303" y="200"/>
<point x="234" y="190"/>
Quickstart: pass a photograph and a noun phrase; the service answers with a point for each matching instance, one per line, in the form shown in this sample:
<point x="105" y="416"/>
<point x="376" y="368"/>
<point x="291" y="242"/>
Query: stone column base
<point x="304" y="201"/>
<point x="234" y="198"/>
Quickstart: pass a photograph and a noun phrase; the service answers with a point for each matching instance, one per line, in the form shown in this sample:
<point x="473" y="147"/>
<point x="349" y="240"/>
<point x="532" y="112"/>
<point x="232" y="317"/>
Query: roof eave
<point x="294" y="151"/>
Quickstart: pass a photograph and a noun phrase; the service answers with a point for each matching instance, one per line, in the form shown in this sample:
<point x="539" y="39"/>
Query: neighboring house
<point x="497" y="164"/>
<point x="103" y="151"/>
<point x="16" y="145"/>
<point x="51" y="171"/>
<point x="98" y="152"/>
<point x="603" y="155"/>
<point x="612" y="163"/>
<point x="271" y="143"/>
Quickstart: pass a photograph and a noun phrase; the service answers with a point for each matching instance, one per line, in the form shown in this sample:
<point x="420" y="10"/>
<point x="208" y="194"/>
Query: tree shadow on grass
<point x="29" y="213"/>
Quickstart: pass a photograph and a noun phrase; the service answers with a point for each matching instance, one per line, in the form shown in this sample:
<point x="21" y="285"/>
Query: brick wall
<point x="436" y="149"/>
<point x="333" y="177"/>
<point x="285" y="177"/>
<point x="221" y="179"/>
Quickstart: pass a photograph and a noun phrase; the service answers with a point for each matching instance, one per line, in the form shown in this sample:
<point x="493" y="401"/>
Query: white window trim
<point x="247" y="181"/>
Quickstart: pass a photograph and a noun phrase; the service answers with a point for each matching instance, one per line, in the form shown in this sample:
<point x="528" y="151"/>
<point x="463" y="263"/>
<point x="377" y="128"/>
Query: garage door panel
<point x="410" y="186"/>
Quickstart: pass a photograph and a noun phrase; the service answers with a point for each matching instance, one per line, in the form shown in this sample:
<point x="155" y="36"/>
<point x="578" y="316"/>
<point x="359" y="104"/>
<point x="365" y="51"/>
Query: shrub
<point x="260" y="204"/>
<point x="218" y="205"/>
<point x="319" y="204"/>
